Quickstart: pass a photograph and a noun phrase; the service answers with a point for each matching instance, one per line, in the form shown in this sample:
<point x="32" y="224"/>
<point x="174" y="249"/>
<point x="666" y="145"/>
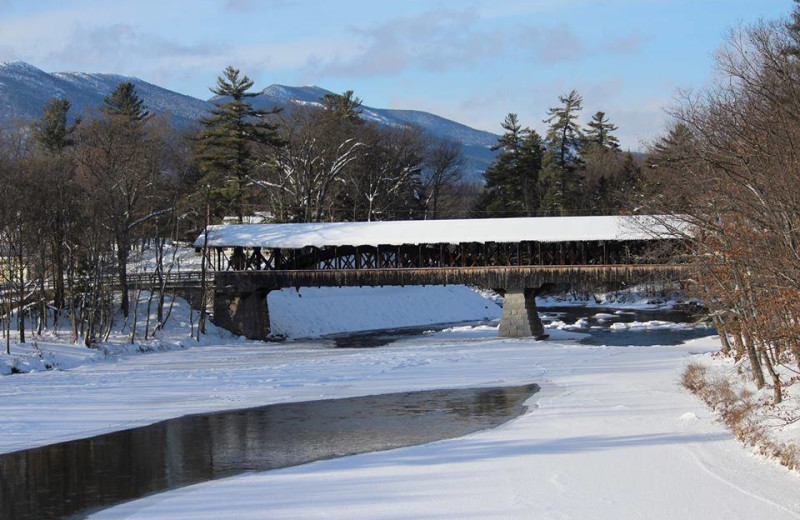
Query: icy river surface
<point x="74" y="477"/>
<point x="610" y="327"/>
<point x="77" y="477"/>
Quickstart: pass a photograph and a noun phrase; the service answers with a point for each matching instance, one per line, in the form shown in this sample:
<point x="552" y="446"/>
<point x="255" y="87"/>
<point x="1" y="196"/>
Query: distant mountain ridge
<point x="25" y="89"/>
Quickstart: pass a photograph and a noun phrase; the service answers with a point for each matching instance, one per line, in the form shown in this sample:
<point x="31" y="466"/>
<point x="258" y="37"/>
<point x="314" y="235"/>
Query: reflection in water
<point x="77" y="477"/>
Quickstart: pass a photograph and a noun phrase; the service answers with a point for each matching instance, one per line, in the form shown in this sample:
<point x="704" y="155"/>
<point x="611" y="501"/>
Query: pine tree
<point x="55" y="172"/>
<point x="119" y="155"/>
<point x="52" y="131"/>
<point x="125" y="102"/>
<point x="224" y="147"/>
<point x="512" y="182"/>
<point x="564" y="140"/>
<point x="346" y="106"/>
<point x="511" y="140"/>
<point x="600" y="133"/>
<point x="673" y="149"/>
<point x="530" y="170"/>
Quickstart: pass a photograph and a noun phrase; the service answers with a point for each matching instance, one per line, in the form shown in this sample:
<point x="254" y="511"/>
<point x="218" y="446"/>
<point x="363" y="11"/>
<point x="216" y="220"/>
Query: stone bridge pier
<point x="243" y="313"/>
<point x="520" y="318"/>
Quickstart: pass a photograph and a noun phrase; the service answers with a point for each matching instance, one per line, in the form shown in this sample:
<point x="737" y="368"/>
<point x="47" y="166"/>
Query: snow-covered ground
<point x="176" y="258"/>
<point x="331" y="310"/>
<point x="309" y="312"/>
<point x="54" y="350"/>
<point x="769" y="424"/>
<point x="610" y="435"/>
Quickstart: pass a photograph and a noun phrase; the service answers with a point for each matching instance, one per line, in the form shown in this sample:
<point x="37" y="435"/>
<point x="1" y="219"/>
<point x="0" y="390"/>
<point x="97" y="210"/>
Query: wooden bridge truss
<point x="427" y="256"/>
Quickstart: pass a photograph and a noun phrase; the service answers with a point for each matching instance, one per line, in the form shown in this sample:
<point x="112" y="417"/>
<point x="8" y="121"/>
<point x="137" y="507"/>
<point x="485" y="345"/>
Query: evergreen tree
<point x="512" y="182"/>
<point x="531" y="161"/>
<point x="674" y="149"/>
<point x="224" y="147"/>
<point x="125" y="102"/>
<point x="629" y="180"/>
<point x="511" y="140"/>
<point x="52" y="131"/>
<point x="55" y="174"/>
<point x="346" y="106"/>
<point x="119" y="154"/>
<point x="564" y="140"/>
<point x="600" y="133"/>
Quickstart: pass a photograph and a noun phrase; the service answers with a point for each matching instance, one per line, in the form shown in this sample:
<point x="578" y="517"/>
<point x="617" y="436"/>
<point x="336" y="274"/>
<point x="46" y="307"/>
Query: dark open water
<point x="73" y="479"/>
<point x="599" y="329"/>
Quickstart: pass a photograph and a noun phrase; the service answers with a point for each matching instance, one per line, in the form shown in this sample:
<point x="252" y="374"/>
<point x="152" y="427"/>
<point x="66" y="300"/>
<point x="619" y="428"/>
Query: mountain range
<point x="26" y="89"/>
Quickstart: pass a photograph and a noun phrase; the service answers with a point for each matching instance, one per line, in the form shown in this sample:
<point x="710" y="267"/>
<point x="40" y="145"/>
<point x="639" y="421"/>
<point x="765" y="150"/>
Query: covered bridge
<point x="515" y="256"/>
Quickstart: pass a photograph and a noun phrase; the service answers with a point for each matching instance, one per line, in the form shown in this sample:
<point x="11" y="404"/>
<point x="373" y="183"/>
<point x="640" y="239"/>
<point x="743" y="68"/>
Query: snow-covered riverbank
<point x="610" y="435"/>
<point x="309" y="312"/>
<point x="319" y="311"/>
<point x="767" y="428"/>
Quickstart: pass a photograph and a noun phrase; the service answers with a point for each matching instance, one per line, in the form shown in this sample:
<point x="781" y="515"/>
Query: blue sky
<point x="469" y="60"/>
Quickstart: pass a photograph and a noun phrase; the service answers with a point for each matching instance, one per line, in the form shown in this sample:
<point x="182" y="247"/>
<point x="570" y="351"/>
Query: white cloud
<point x="432" y="41"/>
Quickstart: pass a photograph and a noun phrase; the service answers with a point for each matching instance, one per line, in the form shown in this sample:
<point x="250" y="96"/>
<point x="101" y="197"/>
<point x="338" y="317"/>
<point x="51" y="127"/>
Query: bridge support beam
<point x="520" y="319"/>
<point x="245" y="314"/>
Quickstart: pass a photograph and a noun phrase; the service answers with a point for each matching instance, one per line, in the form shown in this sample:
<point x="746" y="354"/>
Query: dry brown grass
<point x="737" y="411"/>
<point x="694" y="377"/>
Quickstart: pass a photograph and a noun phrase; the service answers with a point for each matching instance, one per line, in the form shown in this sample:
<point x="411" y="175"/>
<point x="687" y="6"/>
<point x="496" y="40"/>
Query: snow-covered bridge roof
<point x="538" y="229"/>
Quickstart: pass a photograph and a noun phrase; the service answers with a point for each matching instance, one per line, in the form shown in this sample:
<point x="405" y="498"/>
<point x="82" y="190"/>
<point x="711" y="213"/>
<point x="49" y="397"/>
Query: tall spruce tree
<point x="512" y="182"/>
<point x="56" y="185"/>
<point x="126" y="103"/>
<point x="673" y="149"/>
<point x="224" y="147"/>
<point x="564" y="140"/>
<point x="52" y="131"/>
<point x="600" y="133"/>
<point x="511" y="140"/>
<point x="118" y="154"/>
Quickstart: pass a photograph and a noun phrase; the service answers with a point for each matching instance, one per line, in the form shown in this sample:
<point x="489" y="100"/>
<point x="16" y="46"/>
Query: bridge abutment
<point x="520" y="318"/>
<point x="244" y="313"/>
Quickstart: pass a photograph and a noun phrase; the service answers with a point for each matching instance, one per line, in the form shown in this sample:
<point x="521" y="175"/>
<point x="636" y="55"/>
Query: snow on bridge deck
<point x="503" y="230"/>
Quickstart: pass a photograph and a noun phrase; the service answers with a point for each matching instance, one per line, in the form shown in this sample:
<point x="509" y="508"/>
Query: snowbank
<point x="636" y="297"/>
<point x="310" y="312"/>
<point x="655" y="325"/>
<point x="54" y="350"/>
<point x="320" y="311"/>
<point x="176" y="258"/>
<point x="772" y="430"/>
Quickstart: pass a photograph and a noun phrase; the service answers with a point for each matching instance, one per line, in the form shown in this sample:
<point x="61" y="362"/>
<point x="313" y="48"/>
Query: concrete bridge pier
<point x="243" y="313"/>
<point x="520" y="319"/>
